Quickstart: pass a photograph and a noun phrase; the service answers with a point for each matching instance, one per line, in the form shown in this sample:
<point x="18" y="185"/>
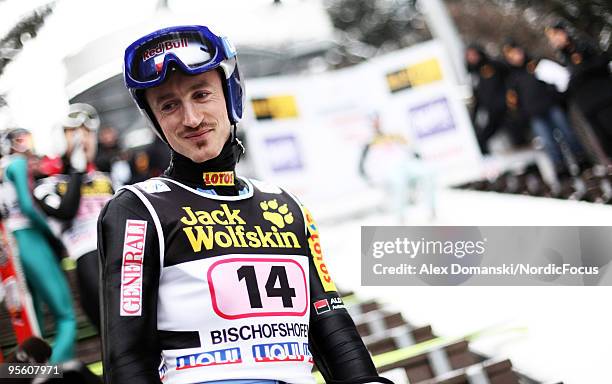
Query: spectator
<point x="159" y="157"/>
<point x="489" y="89"/>
<point x="540" y="103"/>
<point x="38" y="247"/>
<point x="108" y="149"/>
<point x="590" y="85"/>
<point x="388" y="161"/>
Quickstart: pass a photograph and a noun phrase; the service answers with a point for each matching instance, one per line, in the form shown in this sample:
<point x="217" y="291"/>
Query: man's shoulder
<point x="151" y="186"/>
<point x="265" y="187"/>
<point x="273" y="189"/>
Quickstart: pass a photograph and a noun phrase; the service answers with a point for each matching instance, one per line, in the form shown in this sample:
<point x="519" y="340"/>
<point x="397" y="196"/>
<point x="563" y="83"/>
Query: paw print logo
<point x="278" y="216"/>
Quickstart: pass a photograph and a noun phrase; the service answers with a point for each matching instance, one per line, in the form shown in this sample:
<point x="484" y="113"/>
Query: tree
<point x="491" y="21"/>
<point x="12" y="43"/>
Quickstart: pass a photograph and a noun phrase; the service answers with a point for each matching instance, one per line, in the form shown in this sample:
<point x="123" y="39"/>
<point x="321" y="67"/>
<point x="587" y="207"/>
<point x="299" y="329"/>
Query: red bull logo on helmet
<point x="163" y="47"/>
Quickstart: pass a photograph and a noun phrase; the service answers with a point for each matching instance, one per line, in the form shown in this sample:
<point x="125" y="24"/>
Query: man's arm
<point x="63" y="207"/>
<point x="334" y="341"/>
<point x="129" y="255"/>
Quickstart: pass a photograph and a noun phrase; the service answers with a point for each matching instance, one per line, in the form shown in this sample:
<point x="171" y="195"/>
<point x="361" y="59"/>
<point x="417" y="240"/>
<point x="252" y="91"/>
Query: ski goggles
<point x="194" y="49"/>
<point x="81" y="114"/>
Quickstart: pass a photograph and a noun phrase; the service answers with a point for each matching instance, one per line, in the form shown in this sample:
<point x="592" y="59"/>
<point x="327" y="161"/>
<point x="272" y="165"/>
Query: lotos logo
<point x="264" y="353"/>
<point x="219" y="178"/>
<point x="163" y="47"/>
<point x="131" y="267"/>
<point x="210" y="358"/>
<point x="275" y="214"/>
<point x="315" y="249"/>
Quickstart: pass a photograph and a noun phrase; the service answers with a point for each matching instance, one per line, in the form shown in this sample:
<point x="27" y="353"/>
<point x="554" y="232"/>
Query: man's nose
<point x="191" y="117"/>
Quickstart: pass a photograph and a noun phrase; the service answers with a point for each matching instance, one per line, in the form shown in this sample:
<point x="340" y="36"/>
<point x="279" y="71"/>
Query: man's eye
<point x="168" y="107"/>
<point x="200" y="95"/>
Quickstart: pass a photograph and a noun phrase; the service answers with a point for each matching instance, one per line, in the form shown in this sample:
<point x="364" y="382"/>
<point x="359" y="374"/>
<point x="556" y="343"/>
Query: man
<point x="221" y="276"/>
<point x="539" y="102"/>
<point x="489" y="88"/>
<point x="74" y="199"/>
<point x="590" y="86"/>
<point x="390" y="161"/>
<point x="37" y="245"/>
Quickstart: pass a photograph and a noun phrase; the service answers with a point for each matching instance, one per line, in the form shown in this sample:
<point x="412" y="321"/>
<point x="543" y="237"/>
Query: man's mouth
<point x="199" y="134"/>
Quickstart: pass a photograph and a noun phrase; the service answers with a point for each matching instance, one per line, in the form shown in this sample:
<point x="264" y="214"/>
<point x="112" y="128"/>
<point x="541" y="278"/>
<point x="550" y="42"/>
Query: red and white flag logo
<point x="321" y="306"/>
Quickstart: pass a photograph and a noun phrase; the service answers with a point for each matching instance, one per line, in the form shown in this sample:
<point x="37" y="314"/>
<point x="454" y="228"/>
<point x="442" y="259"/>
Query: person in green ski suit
<point x="36" y="244"/>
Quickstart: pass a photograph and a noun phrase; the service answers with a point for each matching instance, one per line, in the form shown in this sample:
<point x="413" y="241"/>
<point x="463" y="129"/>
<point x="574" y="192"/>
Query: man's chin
<point x="199" y="158"/>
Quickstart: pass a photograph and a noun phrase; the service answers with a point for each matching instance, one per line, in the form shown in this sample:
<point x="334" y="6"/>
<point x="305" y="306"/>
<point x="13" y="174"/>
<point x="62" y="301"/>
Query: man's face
<point x="192" y="114"/>
<point x="87" y="138"/>
<point x="558" y="38"/>
<point x="472" y="56"/>
<point x="515" y="56"/>
<point x="22" y="143"/>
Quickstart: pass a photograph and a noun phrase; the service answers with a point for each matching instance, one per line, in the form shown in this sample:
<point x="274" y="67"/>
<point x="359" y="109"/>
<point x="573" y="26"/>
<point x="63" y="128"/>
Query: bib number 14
<point x="250" y="287"/>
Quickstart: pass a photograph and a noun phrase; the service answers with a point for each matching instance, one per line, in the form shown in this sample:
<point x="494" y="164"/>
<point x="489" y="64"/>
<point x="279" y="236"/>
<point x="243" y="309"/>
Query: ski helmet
<point x="194" y="49"/>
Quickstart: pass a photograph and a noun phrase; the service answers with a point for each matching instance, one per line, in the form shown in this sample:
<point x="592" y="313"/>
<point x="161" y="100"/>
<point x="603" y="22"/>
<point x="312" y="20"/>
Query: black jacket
<point x="590" y="85"/>
<point x="533" y="97"/>
<point x="489" y="84"/>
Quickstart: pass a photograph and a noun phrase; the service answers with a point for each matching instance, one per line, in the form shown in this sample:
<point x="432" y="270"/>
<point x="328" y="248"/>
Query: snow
<point x="568" y="329"/>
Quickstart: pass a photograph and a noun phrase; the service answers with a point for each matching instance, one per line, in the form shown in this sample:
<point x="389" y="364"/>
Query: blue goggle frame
<point x="223" y="50"/>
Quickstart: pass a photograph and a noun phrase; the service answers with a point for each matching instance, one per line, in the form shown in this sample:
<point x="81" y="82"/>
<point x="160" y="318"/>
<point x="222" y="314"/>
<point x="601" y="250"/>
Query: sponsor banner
<point x="275" y="107"/>
<point x="486" y="256"/>
<point x="277" y="352"/>
<point x="259" y="331"/>
<point x="219" y="178"/>
<point x="432" y="118"/>
<point x="209" y="358"/>
<point x="334" y="122"/>
<point x="284" y="153"/>
<point x="421" y="73"/>
<point x="315" y="249"/>
<point x="131" y="268"/>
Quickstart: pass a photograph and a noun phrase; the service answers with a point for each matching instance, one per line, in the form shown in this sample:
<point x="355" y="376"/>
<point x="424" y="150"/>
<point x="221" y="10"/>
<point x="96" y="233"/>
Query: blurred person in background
<point x="170" y="295"/>
<point x="540" y="103"/>
<point x="159" y="157"/>
<point x="109" y="150"/>
<point x="590" y="85"/>
<point x="139" y="165"/>
<point x="110" y="158"/>
<point x="489" y="90"/>
<point x="36" y="351"/>
<point x="75" y="197"/>
<point x="389" y="161"/>
<point x="39" y="250"/>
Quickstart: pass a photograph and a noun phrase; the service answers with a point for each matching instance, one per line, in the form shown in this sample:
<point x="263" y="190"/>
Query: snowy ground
<point x="568" y="329"/>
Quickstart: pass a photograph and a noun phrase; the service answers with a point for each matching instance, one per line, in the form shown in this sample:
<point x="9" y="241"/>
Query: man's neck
<point x="217" y="174"/>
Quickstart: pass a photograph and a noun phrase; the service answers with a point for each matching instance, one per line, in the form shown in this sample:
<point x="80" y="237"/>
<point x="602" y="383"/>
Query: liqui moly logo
<point x="163" y="47"/>
<point x="131" y="267"/>
<point x="210" y="358"/>
<point x="307" y="354"/>
<point x="277" y="352"/>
